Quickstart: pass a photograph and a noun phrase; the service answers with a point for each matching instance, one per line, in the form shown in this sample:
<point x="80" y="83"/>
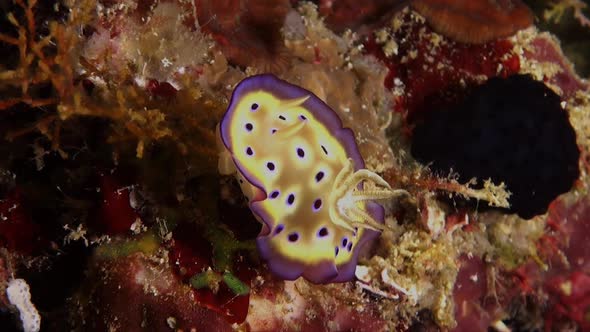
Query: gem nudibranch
<point x="304" y="178"/>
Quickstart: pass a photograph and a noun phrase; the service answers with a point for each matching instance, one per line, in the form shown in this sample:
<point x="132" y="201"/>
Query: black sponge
<point x="512" y="130"/>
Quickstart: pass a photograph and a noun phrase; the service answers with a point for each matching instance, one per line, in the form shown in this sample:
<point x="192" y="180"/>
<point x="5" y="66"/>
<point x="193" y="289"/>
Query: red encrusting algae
<point x="116" y="214"/>
<point x="570" y="299"/>
<point x="437" y="72"/>
<point x="191" y="254"/>
<point x="18" y="232"/>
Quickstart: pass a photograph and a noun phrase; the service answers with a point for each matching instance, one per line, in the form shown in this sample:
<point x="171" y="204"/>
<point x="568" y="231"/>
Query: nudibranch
<point x="304" y="178"/>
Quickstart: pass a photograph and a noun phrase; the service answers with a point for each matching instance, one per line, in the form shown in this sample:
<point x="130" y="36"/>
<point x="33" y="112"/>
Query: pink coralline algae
<point x="134" y="291"/>
<point x="570" y="298"/>
<point x="564" y="289"/>
<point x="468" y="296"/>
<point x="545" y="49"/>
<point x="558" y="296"/>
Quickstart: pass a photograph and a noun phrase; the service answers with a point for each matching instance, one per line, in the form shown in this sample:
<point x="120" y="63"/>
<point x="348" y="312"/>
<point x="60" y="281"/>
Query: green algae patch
<point x="147" y="244"/>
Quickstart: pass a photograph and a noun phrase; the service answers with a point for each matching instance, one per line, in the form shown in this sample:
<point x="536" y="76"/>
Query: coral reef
<point x="114" y="213"/>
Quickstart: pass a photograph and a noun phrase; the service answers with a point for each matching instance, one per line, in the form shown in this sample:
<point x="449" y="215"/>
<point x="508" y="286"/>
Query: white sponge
<point x="19" y="295"/>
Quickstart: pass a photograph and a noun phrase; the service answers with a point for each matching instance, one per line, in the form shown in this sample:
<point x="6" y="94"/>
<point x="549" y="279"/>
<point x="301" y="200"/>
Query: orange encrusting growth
<point x="475" y="21"/>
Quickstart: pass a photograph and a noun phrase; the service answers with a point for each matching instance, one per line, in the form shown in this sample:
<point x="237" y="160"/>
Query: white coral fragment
<point x="19" y="295"/>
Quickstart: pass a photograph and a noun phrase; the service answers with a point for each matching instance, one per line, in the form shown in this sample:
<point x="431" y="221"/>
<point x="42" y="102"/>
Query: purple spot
<point x="279" y="229"/>
<point x="317" y="204"/>
<point x="273" y="130"/>
<point x="249" y="151"/>
<point x="300" y="152"/>
<point x="319" y="176"/>
<point x="336" y="251"/>
<point x="349" y="247"/>
<point x="290" y="199"/>
<point x="325" y="151"/>
<point x="282" y="117"/>
<point x="293" y="237"/>
<point x="274" y="194"/>
<point x="254" y="107"/>
<point x="249" y="126"/>
<point x="302" y="117"/>
<point x="344" y="241"/>
<point x="323" y="232"/>
<point x="270" y="166"/>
